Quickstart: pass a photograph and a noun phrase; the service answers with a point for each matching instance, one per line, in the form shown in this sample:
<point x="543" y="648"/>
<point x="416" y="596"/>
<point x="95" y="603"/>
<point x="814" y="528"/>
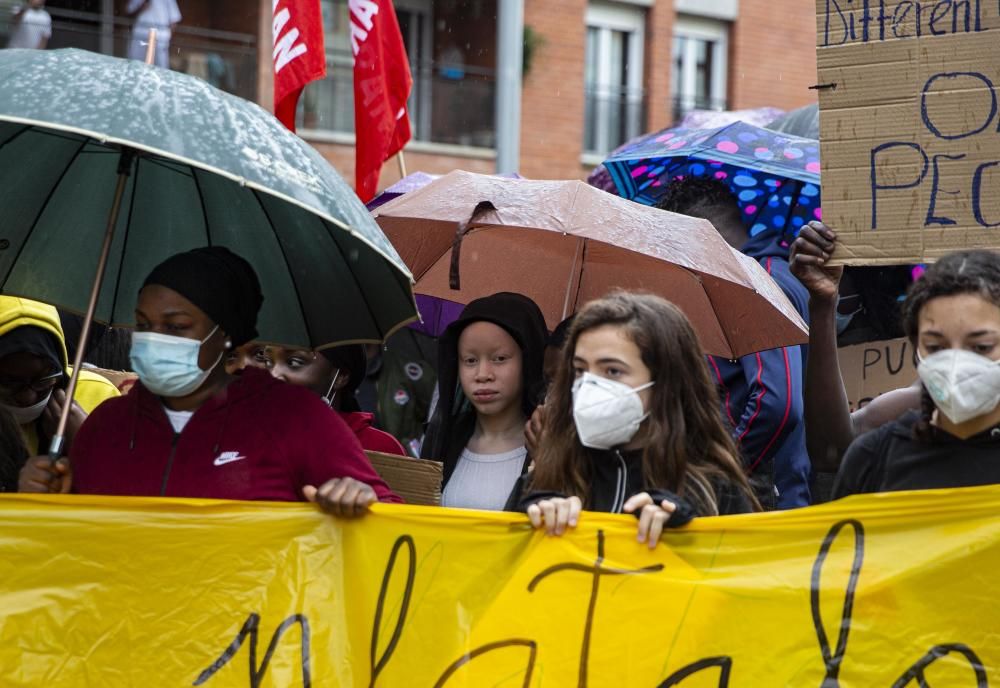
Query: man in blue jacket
<point x="762" y="394"/>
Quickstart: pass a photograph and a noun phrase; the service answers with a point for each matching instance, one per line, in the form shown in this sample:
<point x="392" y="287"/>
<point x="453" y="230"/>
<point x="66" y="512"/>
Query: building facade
<point x="596" y="72"/>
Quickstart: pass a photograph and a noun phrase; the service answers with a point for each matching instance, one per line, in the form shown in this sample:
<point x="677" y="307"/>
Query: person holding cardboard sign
<point x="952" y="316"/>
<point x="830" y="424"/>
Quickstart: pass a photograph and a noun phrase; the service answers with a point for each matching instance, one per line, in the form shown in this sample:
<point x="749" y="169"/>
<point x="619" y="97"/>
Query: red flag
<point x="382" y="84"/>
<point x="299" y="55"/>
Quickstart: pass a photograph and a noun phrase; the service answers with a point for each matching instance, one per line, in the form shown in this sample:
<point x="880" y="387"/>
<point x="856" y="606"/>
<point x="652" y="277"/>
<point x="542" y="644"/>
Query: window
<point x="700" y="55"/>
<point x="451" y="48"/>
<point x="614" y="109"/>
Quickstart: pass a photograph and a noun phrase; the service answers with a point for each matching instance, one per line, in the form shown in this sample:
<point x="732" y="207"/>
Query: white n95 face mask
<point x="606" y="413"/>
<point x="28" y="414"/>
<point x="962" y="384"/>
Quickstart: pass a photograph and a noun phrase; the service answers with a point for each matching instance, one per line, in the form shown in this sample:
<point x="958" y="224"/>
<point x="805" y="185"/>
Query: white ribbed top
<point x="483" y="481"/>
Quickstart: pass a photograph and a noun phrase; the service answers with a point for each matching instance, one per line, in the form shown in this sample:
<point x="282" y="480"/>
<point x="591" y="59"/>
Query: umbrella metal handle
<point x="454" y="278"/>
<point x="58" y="443"/>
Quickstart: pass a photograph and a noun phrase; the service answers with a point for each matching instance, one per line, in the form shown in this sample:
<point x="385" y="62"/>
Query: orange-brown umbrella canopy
<point x="563" y="243"/>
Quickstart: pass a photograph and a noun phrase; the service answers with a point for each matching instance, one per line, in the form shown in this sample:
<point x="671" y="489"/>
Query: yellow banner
<point x="881" y="591"/>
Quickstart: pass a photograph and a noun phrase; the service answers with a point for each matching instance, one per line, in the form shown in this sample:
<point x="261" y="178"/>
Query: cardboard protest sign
<point x="879" y="590"/>
<point x="875" y="368"/>
<point x="909" y="127"/>
<point x="417" y="481"/>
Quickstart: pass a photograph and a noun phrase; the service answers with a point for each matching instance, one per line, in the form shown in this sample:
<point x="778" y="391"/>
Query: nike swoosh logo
<point x="228" y="457"/>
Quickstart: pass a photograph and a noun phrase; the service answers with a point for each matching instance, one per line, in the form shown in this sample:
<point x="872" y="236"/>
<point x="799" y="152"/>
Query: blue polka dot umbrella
<point x="775" y="177"/>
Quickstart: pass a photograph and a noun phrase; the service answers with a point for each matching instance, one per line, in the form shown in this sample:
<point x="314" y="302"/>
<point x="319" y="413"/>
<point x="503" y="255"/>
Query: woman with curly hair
<point x="952" y="318"/>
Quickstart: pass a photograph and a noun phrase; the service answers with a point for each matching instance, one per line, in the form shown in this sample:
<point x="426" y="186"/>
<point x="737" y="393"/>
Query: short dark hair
<point x="696" y="196"/>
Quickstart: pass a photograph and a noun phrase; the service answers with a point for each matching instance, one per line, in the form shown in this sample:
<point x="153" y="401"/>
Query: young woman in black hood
<point x="490" y="378"/>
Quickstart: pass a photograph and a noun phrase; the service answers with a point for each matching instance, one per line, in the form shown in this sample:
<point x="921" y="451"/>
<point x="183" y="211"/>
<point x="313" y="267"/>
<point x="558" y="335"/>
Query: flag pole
<point x="151" y="47"/>
<point x="402" y="164"/>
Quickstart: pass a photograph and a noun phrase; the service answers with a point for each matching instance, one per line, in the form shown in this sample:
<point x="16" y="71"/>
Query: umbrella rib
<point x="371" y="312"/>
<point x="15" y="135"/>
<point x="579" y="283"/>
<point x="201" y="202"/>
<point x="725" y="334"/>
<point x="128" y="223"/>
<point x="288" y="266"/>
<point x="41" y="210"/>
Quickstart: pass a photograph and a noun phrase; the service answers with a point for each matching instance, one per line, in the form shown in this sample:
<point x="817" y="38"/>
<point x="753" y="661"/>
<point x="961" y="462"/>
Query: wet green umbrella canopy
<point x="209" y="169"/>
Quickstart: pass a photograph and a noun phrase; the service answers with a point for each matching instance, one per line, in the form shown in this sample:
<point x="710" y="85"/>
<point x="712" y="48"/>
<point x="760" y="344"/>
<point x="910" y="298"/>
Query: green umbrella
<point x="90" y="143"/>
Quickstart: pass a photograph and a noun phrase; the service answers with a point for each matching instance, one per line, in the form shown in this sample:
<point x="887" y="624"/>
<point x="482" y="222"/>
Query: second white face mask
<point x="606" y="413"/>
<point x="28" y="414"/>
<point x="962" y="384"/>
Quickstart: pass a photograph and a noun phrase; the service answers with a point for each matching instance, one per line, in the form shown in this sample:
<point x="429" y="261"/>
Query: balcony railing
<point x="611" y="119"/>
<point x="225" y="59"/>
<point x="449" y="104"/>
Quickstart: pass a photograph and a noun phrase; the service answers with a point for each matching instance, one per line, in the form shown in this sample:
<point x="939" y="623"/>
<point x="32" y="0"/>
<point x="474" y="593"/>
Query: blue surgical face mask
<point x="167" y="365"/>
<point x="844" y="319"/>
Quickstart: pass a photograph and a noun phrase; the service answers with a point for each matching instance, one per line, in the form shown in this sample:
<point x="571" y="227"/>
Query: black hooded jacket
<point x="455" y="419"/>
<point x="616" y="475"/>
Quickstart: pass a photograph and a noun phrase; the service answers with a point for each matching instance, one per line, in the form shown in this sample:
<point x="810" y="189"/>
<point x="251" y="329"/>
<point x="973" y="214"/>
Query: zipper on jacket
<point x="170" y="464"/>
<point x="620" y="485"/>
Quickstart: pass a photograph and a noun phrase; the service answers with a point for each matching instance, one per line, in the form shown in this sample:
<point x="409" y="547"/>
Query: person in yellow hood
<point x="34" y="371"/>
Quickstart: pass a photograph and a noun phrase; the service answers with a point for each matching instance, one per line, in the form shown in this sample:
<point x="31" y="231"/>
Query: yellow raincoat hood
<point x="17" y="312"/>
<point x="91" y="388"/>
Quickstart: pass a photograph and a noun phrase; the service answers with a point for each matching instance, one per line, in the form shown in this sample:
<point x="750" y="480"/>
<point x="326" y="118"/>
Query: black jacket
<point x="454" y="419"/>
<point x="617" y="475"/>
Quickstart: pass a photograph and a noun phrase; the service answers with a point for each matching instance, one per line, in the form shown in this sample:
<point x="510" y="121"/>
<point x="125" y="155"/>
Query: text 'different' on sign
<point x="909" y="126"/>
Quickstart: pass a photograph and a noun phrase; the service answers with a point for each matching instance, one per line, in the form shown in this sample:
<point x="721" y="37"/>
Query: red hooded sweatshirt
<point x="371" y="439"/>
<point x="258" y="439"/>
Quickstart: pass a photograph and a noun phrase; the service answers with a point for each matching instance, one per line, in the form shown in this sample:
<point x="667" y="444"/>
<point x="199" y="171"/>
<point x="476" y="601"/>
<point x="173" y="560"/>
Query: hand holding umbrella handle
<point x="58" y="443"/>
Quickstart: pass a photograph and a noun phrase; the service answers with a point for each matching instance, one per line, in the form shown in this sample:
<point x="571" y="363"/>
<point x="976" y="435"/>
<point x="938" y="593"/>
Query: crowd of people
<point x="616" y="410"/>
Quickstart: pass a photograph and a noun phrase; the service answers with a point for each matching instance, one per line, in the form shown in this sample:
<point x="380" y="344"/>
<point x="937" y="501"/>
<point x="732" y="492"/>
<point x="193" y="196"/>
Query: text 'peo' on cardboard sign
<point x="909" y="126"/>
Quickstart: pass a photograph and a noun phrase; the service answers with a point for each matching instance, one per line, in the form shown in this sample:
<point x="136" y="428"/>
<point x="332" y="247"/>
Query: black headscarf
<point x="454" y="419"/>
<point x="352" y="361"/>
<point x="220" y="283"/>
<point x="33" y="340"/>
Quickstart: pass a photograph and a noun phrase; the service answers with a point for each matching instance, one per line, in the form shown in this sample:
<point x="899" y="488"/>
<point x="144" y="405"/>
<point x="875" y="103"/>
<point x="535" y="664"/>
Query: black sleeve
<point x="731" y="498"/>
<point x="530" y="498"/>
<point x="681" y="516"/>
<point x="862" y="465"/>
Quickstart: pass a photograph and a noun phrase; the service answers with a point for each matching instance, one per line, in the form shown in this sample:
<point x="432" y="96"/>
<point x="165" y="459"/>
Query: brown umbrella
<point x="563" y="243"/>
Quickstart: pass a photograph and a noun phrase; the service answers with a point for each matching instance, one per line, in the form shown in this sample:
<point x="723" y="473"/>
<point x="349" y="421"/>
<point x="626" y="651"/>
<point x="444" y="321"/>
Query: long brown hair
<point x="687" y="444"/>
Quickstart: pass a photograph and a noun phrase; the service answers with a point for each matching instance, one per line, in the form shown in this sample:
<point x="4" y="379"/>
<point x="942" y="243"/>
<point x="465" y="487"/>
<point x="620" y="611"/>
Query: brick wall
<point x="659" y="43"/>
<point x="552" y="98"/>
<point x="772" y="62"/>
<point x="773" y="54"/>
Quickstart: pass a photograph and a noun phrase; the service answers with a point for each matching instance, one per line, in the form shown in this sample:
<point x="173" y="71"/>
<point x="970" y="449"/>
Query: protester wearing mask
<point x="34" y="371"/>
<point x="490" y="377"/>
<point x="334" y="374"/>
<point x="189" y="429"/>
<point x="633" y="425"/>
<point x="952" y="318"/>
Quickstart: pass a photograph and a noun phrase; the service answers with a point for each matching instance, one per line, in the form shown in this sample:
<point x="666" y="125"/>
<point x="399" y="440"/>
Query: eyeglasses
<point x="10" y="386"/>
